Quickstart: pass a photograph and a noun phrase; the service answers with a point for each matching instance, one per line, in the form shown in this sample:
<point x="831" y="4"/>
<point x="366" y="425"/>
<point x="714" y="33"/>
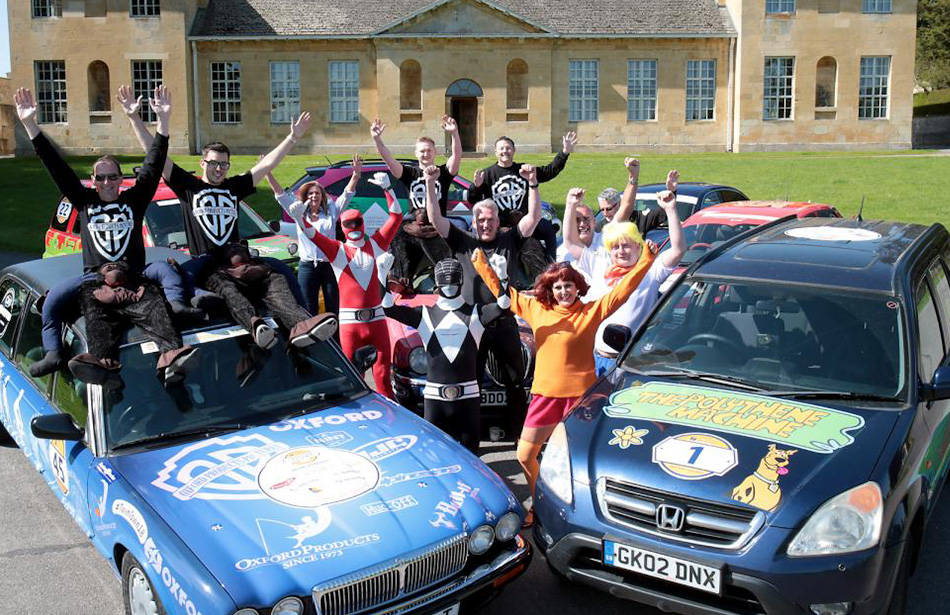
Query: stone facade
<point x="8" y="119"/>
<point x="476" y="43"/>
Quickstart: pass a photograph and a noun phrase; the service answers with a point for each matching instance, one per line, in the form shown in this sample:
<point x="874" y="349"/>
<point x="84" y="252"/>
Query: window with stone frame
<point x="700" y="90"/>
<point x="50" y="91"/>
<point x="583" y="90"/>
<point x="876" y="6"/>
<point x="779" y="6"/>
<point x="641" y="90"/>
<point x="146" y="76"/>
<point x="344" y="91"/>
<point x="226" y="92"/>
<point x="46" y="8"/>
<point x="826" y="78"/>
<point x="145" y="8"/>
<point x="516" y="85"/>
<point x="410" y="86"/>
<point x="284" y="91"/>
<point x="874" y="88"/>
<point x="100" y="96"/>
<point x="778" y="88"/>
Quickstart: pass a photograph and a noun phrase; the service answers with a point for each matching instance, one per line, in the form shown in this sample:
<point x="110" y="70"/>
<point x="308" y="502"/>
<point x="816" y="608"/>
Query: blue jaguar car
<point x="270" y="483"/>
<point x="774" y="437"/>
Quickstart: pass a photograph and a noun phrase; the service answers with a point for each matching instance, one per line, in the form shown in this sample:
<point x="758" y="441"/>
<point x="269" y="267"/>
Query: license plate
<point x="657" y="565"/>
<point x="494" y="398"/>
<point x="449" y="610"/>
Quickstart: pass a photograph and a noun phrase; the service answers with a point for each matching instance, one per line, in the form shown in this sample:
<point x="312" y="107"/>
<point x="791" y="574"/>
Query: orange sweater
<point x="564" y="366"/>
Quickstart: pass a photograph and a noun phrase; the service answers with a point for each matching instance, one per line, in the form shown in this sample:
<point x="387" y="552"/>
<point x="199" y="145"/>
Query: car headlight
<point x="508" y="527"/>
<point x="850" y="521"/>
<point x="418" y="362"/>
<point x="247" y="612"/>
<point x="291" y="248"/>
<point x="288" y="606"/>
<point x="556" y="465"/>
<point x="481" y="540"/>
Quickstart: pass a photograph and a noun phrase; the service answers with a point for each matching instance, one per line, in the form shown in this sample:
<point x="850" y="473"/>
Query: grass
<point x="932" y="103"/>
<point x="906" y="185"/>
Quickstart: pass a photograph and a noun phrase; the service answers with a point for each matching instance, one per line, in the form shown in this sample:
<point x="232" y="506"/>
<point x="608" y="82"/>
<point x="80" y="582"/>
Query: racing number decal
<point x="57" y="461"/>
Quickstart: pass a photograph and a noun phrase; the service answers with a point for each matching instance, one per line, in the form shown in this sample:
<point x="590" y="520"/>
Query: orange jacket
<point x="564" y="366"/>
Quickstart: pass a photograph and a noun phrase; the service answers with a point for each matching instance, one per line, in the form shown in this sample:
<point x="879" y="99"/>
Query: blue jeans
<point x="547" y="234"/>
<point x="315" y="277"/>
<point x="62" y="300"/>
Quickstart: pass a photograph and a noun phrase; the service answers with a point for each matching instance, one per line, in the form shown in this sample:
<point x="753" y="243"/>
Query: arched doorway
<point x="462" y="97"/>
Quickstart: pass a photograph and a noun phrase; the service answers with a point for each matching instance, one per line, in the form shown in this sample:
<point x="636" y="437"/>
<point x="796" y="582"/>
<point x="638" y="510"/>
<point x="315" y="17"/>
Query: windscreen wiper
<point x="169" y="436"/>
<point x="683" y="372"/>
<point x="819" y="394"/>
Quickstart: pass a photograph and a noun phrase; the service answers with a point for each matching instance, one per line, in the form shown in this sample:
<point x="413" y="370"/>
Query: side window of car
<point x="732" y="195"/>
<point x="29" y="346"/>
<point x="12" y="298"/>
<point x="69" y="394"/>
<point x="941" y="286"/>
<point x="824" y="213"/>
<point x="61" y="218"/>
<point x="929" y="338"/>
<point x="714" y="197"/>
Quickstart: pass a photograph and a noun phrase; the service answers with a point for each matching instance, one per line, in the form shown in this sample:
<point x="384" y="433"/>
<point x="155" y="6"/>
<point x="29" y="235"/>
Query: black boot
<point x="52" y="362"/>
<point x="184" y="313"/>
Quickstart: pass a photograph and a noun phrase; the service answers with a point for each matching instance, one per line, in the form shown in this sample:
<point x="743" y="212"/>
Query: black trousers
<point x="503" y="340"/>
<point x="461" y="419"/>
<point x="410" y="250"/>
<point x="105" y="323"/>
<point x="272" y="290"/>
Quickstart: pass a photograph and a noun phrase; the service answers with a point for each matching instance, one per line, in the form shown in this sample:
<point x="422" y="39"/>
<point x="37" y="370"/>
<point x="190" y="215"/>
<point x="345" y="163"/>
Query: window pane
<point x="930" y="343"/>
<point x="51" y="91"/>
<point x="285" y="91"/>
<point x="779" y="6"/>
<point x="778" y="93"/>
<point x="583" y="90"/>
<point x="344" y="90"/>
<point x="700" y="89"/>
<point x="873" y="88"/>
<point x="226" y="92"/>
<point x="146" y="76"/>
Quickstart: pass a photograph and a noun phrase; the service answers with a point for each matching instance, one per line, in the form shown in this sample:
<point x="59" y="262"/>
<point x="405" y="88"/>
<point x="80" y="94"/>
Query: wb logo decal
<point x="508" y="192"/>
<point x="110" y="227"/>
<point x="216" y="212"/>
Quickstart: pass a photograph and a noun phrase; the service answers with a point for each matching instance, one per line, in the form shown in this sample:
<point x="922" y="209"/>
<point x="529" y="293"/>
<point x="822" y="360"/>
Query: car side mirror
<point x="59" y="426"/>
<point x="364" y="357"/>
<point x="939" y="387"/>
<point x="617" y="336"/>
<point x="274" y="225"/>
<point x="254" y="252"/>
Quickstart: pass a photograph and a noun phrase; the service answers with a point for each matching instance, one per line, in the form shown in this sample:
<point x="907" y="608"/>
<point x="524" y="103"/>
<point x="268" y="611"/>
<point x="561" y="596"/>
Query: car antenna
<point x="858" y="216"/>
<point x="329" y="162"/>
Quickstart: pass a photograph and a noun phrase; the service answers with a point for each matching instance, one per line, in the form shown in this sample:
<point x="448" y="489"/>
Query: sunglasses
<point x="609" y="208"/>
<point x="214" y="164"/>
<point x="110" y="177"/>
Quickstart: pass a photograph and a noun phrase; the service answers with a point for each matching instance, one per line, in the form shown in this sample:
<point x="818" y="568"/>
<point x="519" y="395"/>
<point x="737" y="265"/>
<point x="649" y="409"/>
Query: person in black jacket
<point x="114" y="290"/>
<point x="502" y="183"/>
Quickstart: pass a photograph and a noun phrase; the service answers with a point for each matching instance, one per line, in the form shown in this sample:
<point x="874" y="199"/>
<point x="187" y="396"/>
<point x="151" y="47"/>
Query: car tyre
<point x="899" y="593"/>
<point x="5" y="435"/>
<point x="138" y="594"/>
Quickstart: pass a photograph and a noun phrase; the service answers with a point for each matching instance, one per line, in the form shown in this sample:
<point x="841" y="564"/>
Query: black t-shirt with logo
<point x="210" y="212"/>
<point x="509" y="191"/>
<point x="415" y="182"/>
<point x="112" y="231"/>
<point x="463" y="245"/>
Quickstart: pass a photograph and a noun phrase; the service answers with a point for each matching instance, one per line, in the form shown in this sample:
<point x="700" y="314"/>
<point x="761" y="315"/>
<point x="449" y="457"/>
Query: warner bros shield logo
<point x="508" y="191"/>
<point x="110" y="227"/>
<point x="216" y="212"/>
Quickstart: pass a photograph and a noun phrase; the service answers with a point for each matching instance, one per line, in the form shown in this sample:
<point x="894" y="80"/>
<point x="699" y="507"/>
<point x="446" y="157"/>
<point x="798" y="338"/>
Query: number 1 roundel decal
<point x="695" y="456"/>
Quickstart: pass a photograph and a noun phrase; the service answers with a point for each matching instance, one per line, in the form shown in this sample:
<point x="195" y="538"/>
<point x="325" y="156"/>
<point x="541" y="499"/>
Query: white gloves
<point x="381" y="179"/>
<point x="504" y="301"/>
<point x="297" y="211"/>
<point x="500" y="264"/>
<point x="384" y="265"/>
<point x="389" y="300"/>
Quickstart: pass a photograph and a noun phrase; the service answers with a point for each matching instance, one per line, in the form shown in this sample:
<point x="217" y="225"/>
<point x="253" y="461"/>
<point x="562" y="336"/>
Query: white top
<point x="594" y="264"/>
<point x="325" y="223"/>
<point x="564" y="256"/>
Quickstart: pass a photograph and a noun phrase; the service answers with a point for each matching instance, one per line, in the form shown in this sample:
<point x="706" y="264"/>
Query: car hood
<point x="783" y="456"/>
<point x="275" y="510"/>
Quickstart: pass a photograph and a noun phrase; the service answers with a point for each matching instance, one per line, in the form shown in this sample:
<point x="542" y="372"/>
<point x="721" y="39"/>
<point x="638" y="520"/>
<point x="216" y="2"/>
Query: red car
<point x="709" y="227"/>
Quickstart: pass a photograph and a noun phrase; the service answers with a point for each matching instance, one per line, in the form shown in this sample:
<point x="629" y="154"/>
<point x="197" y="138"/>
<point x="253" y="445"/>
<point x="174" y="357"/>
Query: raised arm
<point x="441" y="224"/>
<point x="384" y="236"/>
<point x="62" y="174"/>
<point x="618" y="295"/>
<point x="572" y="241"/>
<point x="672" y="256"/>
<point x="629" y="199"/>
<point x="552" y="169"/>
<point x="455" y="158"/>
<point x="489" y="274"/>
<point x="355" y="174"/>
<point x="479" y="189"/>
<point x="530" y="220"/>
<point x="130" y="106"/>
<point x="157" y="157"/>
<point x="298" y="128"/>
<point x="376" y="129"/>
<point x="656" y="218"/>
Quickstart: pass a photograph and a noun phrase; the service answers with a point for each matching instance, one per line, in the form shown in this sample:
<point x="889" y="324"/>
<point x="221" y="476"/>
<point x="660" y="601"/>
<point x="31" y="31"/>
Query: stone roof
<point x="362" y="18"/>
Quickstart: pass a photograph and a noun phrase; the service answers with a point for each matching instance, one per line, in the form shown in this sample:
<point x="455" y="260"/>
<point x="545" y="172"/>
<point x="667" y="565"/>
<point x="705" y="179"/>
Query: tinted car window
<point x="12" y="298"/>
<point x="29" y="347"/>
<point x="732" y="195"/>
<point x="941" y="288"/>
<point x="930" y="342"/>
<point x="713" y="197"/>
<point x="69" y="394"/>
<point x="777" y="336"/>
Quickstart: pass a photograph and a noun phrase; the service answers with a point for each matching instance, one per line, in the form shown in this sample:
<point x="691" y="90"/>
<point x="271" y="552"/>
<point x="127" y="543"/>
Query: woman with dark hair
<point x="564" y="328"/>
<point x="314" y="272"/>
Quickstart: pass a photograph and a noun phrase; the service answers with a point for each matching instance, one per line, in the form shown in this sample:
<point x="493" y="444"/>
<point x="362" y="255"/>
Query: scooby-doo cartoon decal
<point x="761" y="488"/>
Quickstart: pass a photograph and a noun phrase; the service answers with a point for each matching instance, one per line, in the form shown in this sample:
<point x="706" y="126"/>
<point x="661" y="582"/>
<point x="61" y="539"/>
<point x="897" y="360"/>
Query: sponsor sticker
<point x="628" y="436"/>
<point x="386" y="447"/>
<point x="394" y="505"/>
<point x="317" y="422"/>
<point x="312" y="476"/>
<point x="401" y="477"/>
<point x="63" y="210"/>
<point x="761" y="488"/>
<point x="447" y="511"/>
<point x="105" y="470"/>
<point x="695" y="456"/>
<point x="6" y="309"/>
<point x="804" y="426"/>
<point x="57" y="461"/>
<point x="330" y="438"/>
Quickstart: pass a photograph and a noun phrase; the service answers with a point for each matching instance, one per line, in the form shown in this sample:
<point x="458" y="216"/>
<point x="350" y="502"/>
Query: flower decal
<point x="628" y="436"/>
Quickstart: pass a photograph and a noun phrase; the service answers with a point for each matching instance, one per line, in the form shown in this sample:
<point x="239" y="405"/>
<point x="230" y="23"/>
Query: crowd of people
<point x="596" y="277"/>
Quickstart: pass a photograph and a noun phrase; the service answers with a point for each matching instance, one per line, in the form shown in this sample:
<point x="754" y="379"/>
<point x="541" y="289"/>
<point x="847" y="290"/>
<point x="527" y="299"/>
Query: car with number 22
<point x="774" y="438"/>
<point x="269" y="483"/>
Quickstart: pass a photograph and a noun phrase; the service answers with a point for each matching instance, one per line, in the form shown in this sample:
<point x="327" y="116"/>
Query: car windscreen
<point x="233" y="383"/>
<point x="778" y="337"/>
<point x="701" y="238"/>
<point x="165" y="224"/>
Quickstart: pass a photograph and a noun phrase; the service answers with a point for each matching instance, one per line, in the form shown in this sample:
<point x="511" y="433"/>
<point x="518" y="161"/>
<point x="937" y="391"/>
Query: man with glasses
<point x="621" y="207"/>
<point x="113" y="251"/>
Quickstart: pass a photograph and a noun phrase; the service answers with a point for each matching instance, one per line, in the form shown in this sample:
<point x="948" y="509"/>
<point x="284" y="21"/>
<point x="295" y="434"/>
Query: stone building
<point x="650" y="75"/>
<point x="8" y="117"/>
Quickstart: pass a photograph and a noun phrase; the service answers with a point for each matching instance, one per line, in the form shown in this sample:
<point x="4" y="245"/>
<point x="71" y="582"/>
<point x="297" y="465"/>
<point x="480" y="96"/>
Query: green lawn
<point x="905" y="186"/>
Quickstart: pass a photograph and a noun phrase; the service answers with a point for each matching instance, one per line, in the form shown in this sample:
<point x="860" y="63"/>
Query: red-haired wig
<point x="302" y="191"/>
<point x="544" y="285"/>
